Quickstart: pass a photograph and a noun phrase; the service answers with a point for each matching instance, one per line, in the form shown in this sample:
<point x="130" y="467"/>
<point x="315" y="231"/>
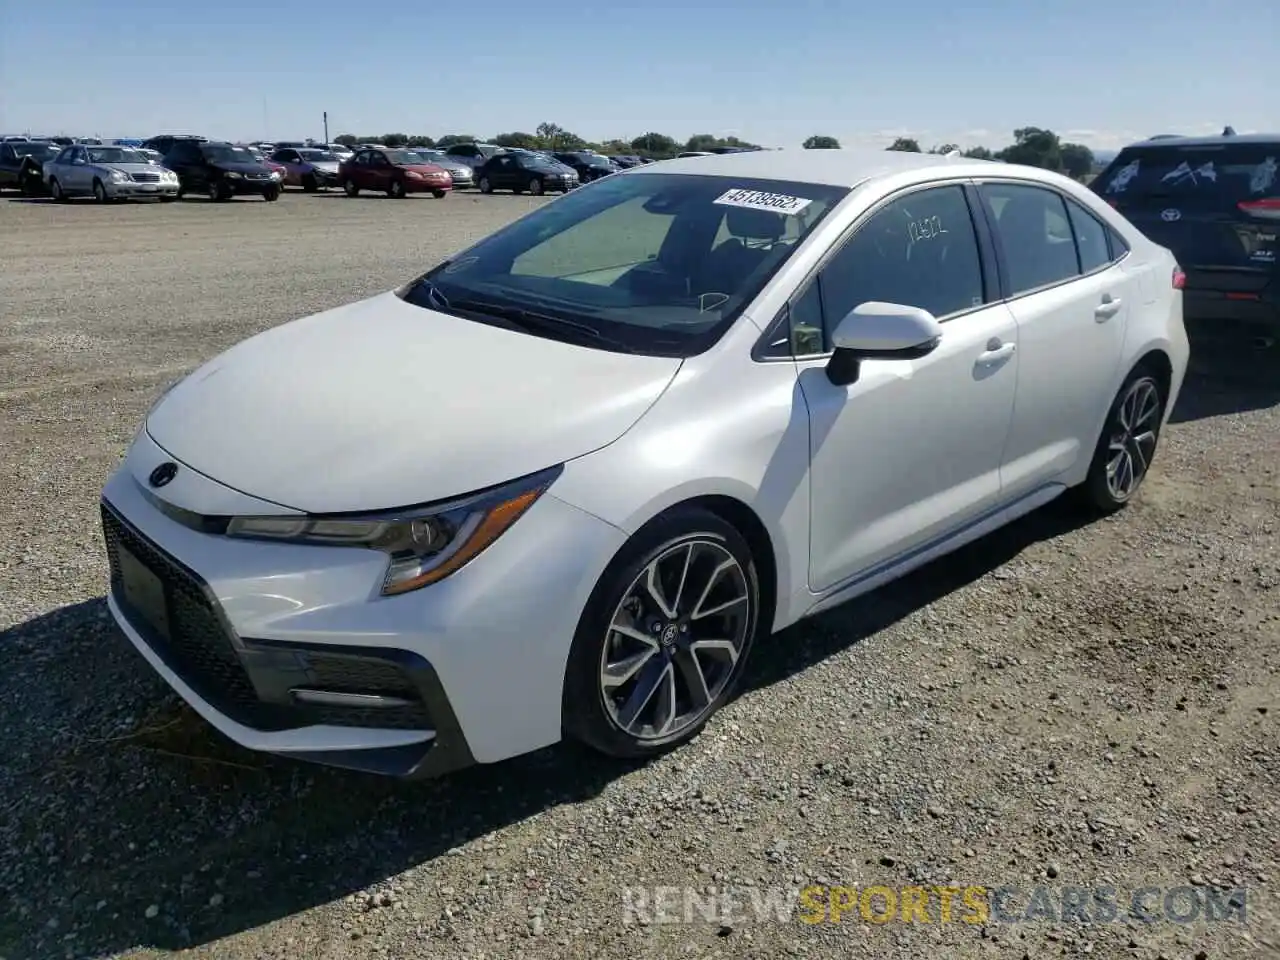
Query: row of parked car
<point x="169" y="166"/>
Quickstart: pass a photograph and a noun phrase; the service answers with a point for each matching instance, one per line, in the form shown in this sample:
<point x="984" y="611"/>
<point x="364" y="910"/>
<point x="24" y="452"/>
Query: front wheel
<point x="350" y="187"/>
<point x="664" y="638"/>
<point x="271" y="194"/>
<point x="439" y="194"/>
<point x="396" y="190"/>
<point x="536" y="186"/>
<point x="55" y="190"/>
<point x="485" y="185"/>
<point x="309" y="183"/>
<point x="100" y="192"/>
<point x="1127" y="445"/>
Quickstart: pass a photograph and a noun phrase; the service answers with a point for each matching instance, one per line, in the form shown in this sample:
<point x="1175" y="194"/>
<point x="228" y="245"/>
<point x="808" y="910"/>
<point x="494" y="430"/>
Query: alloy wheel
<point x="1133" y="435"/>
<point x="675" y="639"/>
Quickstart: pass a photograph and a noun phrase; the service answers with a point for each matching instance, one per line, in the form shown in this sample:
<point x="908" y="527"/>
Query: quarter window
<point x="1091" y="238"/>
<point x="919" y="250"/>
<point x="1033" y="229"/>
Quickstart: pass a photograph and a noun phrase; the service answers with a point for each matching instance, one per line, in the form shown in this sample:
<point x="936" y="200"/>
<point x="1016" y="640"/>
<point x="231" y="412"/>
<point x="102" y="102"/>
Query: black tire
<point x="100" y="192"/>
<point x="55" y="191"/>
<point x="217" y="191"/>
<point x="309" y="183"/>
<point x="395" y="190"/>
<point x="271" y="194"/>
<point x="439" y="194"/>
<point x="586" y="717"/>
<point x="350" y="187"/>
<point x="1138" y="409"/>
<point x="485" y="185"/>
<point x="537" y="187"/>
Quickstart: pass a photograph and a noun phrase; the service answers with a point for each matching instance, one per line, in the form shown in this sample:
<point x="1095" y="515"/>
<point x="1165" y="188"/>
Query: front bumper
<point x="131" y="189"/>
<point x="246" y="187"/>
<point x="427" y="186"/>
<point x="247" y="625"/>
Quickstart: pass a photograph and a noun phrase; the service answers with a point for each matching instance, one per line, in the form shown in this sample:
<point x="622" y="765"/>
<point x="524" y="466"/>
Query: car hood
<point x="129" y="168"/>
<point x="229" y="166"/>
<point x="382" y="404"/>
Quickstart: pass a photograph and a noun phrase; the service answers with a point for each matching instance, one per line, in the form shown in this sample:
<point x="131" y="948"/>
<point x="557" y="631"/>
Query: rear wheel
<point x="664" y="638"/>
<point x="1127" y="445"/>
<point x="350" y="187"/>
<point x="309" y="183"/>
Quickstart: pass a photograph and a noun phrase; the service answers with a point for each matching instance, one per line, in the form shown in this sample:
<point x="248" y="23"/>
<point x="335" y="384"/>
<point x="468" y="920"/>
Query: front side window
<point x="919" y="250"/>
<point x="226" y="153"/>
<point x="635" y="260"/>
<point x="1032" y="227"/>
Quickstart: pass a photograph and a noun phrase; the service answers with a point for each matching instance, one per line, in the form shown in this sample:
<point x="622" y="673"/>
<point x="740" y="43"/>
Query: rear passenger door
<point x="1070" y="298"/>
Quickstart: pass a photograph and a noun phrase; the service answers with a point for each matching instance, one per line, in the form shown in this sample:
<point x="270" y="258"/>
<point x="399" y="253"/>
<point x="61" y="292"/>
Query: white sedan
<point x="560" y="483"/>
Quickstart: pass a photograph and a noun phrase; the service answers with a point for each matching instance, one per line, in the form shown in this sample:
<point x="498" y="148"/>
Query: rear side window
<point x="1091" y="238"/>
<point x="1192" y="176"/>
<point x="1035" y="233"/>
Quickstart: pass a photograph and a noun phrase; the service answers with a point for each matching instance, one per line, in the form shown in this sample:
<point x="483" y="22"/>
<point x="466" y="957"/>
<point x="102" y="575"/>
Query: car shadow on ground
<point x="1228" y="375"/>
<point x="167" y="814"/>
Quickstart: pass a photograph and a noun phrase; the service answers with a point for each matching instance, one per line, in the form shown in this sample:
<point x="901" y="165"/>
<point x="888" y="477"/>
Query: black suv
<point x="220" y="170"/>
<point x="1215" y="202"/>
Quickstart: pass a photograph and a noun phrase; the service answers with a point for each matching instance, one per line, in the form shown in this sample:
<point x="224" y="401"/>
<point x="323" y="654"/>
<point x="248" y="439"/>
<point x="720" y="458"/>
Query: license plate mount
<point x="144" y="592"/>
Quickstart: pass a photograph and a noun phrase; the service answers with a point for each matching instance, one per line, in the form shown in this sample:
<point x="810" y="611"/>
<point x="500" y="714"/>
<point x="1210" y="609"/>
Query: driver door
<point x="910" y="452"/>
<point x="73" y="175"/>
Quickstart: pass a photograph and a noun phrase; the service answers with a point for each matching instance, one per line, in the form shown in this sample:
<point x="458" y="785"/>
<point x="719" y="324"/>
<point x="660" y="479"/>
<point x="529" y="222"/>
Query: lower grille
<point x="199" y="649"/>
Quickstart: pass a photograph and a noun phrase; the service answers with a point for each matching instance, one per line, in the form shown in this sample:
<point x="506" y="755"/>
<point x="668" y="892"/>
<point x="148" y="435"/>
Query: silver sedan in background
<point x="106" y="174"/>
<point x="463" y="175"/>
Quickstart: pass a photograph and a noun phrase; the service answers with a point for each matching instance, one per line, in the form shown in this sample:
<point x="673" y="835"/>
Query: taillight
<point x="1268" y="208"/>
<point x="1179" y="279"/>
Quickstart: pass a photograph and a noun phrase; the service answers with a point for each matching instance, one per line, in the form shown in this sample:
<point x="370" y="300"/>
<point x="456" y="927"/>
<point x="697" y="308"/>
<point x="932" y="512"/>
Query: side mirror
<point x="880" y="331"/>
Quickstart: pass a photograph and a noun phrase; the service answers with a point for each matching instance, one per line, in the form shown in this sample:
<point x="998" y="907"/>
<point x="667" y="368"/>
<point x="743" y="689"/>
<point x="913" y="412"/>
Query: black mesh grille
<point x="146" y="177"/>
<point x="199" y="649"/>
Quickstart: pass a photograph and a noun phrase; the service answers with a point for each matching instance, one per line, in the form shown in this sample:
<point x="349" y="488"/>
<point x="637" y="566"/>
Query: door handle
<point x="997" y="351"/>
<point x="1107" y="309"/>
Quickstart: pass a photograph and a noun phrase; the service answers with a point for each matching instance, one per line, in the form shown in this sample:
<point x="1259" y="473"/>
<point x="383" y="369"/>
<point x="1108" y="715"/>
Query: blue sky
<point x="769" y="71"/>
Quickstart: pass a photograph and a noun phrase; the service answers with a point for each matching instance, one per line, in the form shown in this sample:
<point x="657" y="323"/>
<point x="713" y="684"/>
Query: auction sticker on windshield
<point x="759" y="200"/>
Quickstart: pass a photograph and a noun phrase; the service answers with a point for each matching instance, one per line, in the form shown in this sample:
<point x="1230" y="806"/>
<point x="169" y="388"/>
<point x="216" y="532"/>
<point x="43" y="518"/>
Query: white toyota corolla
<point x="558" y="484"/>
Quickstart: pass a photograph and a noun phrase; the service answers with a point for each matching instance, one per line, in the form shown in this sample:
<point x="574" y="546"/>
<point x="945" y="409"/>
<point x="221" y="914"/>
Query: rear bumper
<point x="1222" y="311"/>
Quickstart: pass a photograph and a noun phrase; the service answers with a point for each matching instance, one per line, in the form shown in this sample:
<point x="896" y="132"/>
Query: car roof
<point x="841" y="168"/>
<point x="1175" y="142"/>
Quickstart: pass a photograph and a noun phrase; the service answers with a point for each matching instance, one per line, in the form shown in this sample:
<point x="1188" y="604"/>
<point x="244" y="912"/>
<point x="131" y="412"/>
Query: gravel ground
<point x="1061" y="704"/>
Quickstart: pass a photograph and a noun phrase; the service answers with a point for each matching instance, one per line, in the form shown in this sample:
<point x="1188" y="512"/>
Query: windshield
<point x="652" y="263"/>
<point x="1192" y="176"/>
<point x="114" y="155"/>
<point x="41" y="151"/>
<point x="403" y="156"/>
<point x="317" y="156"/>
<point x="226" y="153"/>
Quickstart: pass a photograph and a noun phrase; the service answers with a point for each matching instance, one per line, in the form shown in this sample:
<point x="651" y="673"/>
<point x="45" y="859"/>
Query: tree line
<point x="1032" y="146"/>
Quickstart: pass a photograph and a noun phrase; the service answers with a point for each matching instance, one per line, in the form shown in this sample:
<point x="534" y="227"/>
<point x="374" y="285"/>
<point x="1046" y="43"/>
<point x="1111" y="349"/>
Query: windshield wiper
<point x="531" y="321"/>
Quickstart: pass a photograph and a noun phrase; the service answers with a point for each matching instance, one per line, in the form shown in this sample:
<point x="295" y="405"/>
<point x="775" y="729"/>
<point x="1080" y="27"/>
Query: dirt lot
<point x="1063" y="705"/>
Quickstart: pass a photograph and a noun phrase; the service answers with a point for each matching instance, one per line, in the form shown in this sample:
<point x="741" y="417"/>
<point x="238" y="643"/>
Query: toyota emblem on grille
<point x="1170" y="215"/>
<point x="163" y="474"/>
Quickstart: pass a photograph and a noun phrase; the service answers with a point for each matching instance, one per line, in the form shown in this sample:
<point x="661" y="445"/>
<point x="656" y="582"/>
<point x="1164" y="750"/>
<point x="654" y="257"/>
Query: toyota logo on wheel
<point x="1170" y="215"/>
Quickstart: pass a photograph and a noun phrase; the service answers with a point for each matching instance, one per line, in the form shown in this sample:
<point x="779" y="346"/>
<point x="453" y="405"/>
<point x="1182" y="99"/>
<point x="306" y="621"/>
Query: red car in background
<point x="266" y="161"/>
<point x="393" y="172"/>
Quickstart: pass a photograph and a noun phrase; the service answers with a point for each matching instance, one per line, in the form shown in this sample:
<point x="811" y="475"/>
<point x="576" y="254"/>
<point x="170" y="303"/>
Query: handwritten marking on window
<point x="926" y="229"/>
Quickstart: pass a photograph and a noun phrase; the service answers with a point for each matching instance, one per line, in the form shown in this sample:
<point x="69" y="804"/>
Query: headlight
<point x="119" y="176"/>
<point x="232" y="175"/>
<point x="275" y="174"/>
<point x="425" y="544"/>
<point x="413" y="174"/>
